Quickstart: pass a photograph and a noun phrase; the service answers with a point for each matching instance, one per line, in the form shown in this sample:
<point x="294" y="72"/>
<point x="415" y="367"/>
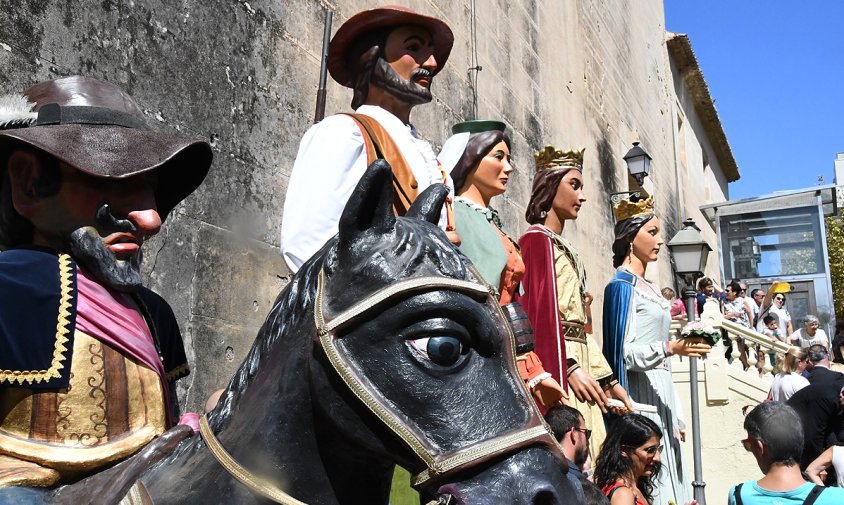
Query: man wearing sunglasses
<point x="778" y="448"/>
<point x="570" y="430"/>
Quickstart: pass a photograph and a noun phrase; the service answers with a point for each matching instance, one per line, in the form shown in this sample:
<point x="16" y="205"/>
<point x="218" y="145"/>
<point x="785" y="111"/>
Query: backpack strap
<point x="380" y="145"/>
<point x="813" y="495"/>
<point x="737" y="494"/>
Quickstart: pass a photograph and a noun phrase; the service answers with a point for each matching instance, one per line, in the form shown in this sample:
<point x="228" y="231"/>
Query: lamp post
<point x="638" y="163"/>
<point x="690" y="251"/>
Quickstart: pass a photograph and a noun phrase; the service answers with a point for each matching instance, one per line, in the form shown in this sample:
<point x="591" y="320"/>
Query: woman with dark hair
<point x="636" y="337"/>
<point x="628" y="466"/>
<point x="479" y="154"/>
<point x="556" y="297"/>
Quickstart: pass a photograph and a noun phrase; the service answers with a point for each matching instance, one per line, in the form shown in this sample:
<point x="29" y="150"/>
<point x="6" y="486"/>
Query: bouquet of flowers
<point x="696" y="329"/>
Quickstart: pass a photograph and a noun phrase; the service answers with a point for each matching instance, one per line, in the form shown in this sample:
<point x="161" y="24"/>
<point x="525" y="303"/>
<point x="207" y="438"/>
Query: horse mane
<point x="291" y="309"/>
<point x="414" y="245"/>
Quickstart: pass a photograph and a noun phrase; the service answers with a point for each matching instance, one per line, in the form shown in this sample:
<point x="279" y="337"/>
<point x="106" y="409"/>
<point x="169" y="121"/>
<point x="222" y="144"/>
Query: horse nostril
<point x="545" y="498"/>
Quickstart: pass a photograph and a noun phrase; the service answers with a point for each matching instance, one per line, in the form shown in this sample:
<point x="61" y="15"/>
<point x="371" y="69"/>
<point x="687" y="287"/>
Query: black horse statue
<point x="386" y="348"/>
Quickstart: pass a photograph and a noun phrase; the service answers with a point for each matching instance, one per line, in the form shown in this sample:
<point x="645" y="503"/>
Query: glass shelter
<point x="779" y="237"/>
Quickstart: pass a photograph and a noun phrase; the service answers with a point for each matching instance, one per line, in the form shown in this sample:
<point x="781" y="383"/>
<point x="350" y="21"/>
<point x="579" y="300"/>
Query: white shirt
<point x="331" y="160"/>
<point x="838" y="463"/>
<point x="782" y="315"/>
<point x="801" y="339"/>
<point x="785" y="385"/>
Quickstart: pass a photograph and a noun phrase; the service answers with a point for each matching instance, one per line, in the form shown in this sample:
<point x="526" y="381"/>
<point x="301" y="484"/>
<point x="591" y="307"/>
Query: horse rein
<point x="534" y="431"/>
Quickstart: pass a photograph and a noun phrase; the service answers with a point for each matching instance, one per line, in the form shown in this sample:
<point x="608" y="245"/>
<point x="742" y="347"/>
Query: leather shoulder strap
<point x="380" y="145"/>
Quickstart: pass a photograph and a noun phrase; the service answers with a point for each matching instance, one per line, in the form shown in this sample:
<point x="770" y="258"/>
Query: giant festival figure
<point x="477" y="156"/>
<point x="556" y="296"/>
<point x="636" y="338"/>
<point x="389" y="57"/>
<point x="88" y="356"/>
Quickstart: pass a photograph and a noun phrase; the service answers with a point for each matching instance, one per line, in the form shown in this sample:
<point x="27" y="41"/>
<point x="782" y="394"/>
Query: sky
<point x="776" y="72"/>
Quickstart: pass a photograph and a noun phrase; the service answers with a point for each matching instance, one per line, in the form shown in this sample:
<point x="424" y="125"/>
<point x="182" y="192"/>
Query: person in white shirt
<point x="788" y="378"/>
<point x="810" y="334"/>
<point x="388" y="56"/>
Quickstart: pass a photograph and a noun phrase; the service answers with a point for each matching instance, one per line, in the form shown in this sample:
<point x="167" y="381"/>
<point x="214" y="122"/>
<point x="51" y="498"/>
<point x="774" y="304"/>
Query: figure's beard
<point x="407" y="91"/>
<point x="88" y="249"/>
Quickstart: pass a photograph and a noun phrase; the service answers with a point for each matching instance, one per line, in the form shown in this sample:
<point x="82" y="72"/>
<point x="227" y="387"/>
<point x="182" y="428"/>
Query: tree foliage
<point x="835" y="247"/>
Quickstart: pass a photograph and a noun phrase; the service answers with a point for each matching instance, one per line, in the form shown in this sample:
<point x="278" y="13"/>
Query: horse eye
<point x="443" y="350"/>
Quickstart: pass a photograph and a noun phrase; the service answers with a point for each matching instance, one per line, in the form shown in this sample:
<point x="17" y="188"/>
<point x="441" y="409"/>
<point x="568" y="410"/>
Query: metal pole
<point x="698" y="484"/>
<point x="319" y="113"/>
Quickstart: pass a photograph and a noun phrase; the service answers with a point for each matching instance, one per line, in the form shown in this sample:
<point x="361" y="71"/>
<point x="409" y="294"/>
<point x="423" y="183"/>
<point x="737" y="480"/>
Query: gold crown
<point x="626" y="209"/>
<point x="550" y="158"/>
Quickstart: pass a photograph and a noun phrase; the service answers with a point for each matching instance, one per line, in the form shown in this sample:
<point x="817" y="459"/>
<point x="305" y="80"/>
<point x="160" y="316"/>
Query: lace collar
<point x="489" y="213"/>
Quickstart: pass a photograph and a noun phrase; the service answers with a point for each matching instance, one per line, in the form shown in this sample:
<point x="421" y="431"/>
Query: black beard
<point x="407" y="91"/>
<point x="121" y="275"/>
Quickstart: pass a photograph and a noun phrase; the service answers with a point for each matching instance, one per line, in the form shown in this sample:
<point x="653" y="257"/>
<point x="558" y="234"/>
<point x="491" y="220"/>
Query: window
<point x="772" y="243"/>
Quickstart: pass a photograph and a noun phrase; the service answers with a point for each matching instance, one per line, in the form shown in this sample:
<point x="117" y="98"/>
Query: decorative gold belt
<point x="573" y="332"/>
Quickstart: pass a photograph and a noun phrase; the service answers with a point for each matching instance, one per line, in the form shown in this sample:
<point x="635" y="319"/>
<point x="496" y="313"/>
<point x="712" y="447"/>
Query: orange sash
<point x="380" y="145"/>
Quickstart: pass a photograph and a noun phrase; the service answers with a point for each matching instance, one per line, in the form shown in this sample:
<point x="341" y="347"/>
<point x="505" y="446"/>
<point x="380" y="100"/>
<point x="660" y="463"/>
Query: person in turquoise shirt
<point x="776" y="441"/>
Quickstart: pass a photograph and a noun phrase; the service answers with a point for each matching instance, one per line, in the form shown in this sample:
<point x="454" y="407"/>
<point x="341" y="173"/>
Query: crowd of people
<point x="618" y="408"/>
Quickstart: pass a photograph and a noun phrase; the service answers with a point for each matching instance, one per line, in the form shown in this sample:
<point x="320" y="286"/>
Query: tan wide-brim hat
<point x="376" y="19"/>
<point x="98" y="129"/>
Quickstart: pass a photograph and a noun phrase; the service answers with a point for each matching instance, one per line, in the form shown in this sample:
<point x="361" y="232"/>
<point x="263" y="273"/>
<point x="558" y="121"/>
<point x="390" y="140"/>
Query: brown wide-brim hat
<point x="376" y="19"/>
<point x="98" y="129"/>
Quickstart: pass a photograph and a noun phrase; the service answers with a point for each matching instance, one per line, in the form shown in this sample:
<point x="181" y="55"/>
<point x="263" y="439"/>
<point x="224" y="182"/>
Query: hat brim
<point x="376" y="19"/>
<point x="115" y="152"/>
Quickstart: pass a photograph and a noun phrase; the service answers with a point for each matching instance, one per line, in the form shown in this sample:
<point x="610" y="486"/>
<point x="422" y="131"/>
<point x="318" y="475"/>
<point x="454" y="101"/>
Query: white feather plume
<point x="16" y="112"/>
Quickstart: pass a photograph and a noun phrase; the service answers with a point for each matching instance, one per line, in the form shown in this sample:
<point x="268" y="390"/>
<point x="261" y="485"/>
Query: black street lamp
<point x="638" y="163"/>
<point x="690" y="252"/>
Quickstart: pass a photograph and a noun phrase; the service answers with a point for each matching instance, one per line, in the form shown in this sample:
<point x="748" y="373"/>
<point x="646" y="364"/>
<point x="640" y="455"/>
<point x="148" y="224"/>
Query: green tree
<point x="835" y="248"/>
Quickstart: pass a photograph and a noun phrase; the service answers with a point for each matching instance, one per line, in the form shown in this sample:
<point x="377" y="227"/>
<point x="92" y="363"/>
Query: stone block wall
<point x="244" y="75"/>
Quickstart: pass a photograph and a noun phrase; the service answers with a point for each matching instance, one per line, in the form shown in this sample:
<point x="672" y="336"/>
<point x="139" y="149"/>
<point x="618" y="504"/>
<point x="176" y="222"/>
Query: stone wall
<point x="244" y="75"/>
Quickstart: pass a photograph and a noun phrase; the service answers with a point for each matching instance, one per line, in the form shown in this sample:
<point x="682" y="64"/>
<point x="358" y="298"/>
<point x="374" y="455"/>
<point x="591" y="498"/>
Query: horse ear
<point x="429" y="204"/>
<point x="371" y="205"/>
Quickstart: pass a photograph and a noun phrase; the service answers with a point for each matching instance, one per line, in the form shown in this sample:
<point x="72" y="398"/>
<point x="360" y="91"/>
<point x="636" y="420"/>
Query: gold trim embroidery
<point x="178" y="372"/>
<point x="60" y="349"/>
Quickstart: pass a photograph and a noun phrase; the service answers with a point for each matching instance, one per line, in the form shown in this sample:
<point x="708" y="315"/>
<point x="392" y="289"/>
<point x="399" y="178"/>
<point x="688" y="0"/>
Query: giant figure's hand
<point x="587" y="389"/>
<point x="690" y="347"/>
<point x="453" y="237"/>
<point x="549" y="393"/>
<point x="619" y="393"/>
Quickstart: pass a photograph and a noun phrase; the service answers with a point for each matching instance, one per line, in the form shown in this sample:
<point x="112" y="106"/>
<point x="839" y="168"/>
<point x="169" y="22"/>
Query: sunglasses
<point x="779" y="299"/>
<point x="652" y="450"/>
<point x="747" y="443"/>
<point x="585" y="431"/>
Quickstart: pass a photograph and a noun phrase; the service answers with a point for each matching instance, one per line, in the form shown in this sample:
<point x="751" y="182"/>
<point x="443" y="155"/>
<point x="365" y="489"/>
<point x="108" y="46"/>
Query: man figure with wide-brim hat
<point x="388" y="56"/>
<point x="88" y="357"/>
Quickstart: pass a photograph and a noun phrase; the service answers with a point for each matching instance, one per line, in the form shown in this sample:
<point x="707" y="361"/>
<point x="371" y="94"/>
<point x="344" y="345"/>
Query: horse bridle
<point x="439" y="464"/>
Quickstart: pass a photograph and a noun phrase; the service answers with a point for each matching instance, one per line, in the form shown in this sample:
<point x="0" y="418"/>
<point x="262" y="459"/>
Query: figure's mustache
<point x="108" y="220"/>
<point x="421" y="73"/>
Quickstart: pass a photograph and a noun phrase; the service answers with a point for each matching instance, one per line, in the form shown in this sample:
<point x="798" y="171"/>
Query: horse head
<point x="415" y="360"/>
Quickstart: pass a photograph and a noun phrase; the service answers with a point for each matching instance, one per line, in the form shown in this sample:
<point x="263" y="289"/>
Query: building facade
<point x="582" y="73"/>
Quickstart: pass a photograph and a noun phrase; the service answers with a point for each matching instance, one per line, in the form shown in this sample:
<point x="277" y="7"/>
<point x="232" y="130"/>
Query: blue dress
<point x="636" y="329"/>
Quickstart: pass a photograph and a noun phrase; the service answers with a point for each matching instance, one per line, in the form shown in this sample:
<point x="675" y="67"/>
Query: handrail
<point x="711" y="315"/>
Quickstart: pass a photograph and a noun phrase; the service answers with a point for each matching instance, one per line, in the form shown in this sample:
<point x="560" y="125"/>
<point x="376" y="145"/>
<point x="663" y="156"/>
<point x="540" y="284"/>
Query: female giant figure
<point x="636" y="340"/>
<point x="555" y="294"/>
<point x="479" y="152"/>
